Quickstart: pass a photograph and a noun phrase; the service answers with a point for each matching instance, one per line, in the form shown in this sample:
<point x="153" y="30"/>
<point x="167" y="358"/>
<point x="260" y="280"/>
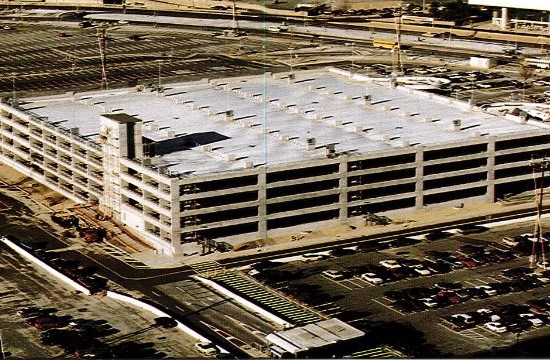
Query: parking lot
<point x="63" y="57"/>
<point x="43" y="318"/>
<point x="420" y="283"/>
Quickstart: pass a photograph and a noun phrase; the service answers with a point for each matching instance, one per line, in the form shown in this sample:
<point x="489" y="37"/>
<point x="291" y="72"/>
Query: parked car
<point x="539" y="305"/>
<point x="421" y="270"/>
<point x="334" y="274"/>
<point x="372" y="278"/>
<point x="534" y="320"/>
<point x="430" y="303"/>
<point x="390" y="264"/>
<point x="206" y="348"/>
<point x="467" y="262"/>
<point x="487" y="289"/>
<point x="496" y="327"/>
<point x="448" y="285"/>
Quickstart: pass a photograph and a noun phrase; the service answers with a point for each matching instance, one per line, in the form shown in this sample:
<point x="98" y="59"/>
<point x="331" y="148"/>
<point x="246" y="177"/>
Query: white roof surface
<point x="274" y="118"/>
<point x="315" y="335"/>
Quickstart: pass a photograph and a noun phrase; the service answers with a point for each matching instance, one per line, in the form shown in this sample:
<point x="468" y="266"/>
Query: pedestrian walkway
<point x="207" y="268"/>
<point x="266" y="298"/>
<point x="121" y="255"/>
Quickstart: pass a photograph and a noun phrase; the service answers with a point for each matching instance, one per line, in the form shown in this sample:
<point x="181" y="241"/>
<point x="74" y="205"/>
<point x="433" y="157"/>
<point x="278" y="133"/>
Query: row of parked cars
<point x="85" y="337"/>
<point x="443" y="294"/>
<point x="509" y="318"/>
<point x="84" y="275"/>
<point x="434" y="262"/>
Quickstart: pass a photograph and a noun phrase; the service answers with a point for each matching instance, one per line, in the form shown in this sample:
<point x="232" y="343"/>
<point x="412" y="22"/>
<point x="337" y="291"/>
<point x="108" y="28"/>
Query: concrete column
<point x="175" y="229"/>
<point x="491" y="170"/>
<point x="419" y="162"/>
<point x="504" y="19"/>
<point x="262" y="206"/>
<point x="343" y="188"/>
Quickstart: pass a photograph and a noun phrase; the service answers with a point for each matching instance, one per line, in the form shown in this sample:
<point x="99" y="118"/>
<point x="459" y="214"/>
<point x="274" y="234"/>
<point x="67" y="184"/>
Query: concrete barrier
<point x="44" y="266"/>
<point x="110" y="294"/>
<point x="247" y="304"/>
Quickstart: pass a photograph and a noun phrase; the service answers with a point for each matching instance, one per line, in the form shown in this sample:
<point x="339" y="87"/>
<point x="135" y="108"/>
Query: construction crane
<point x="538" y="166"/>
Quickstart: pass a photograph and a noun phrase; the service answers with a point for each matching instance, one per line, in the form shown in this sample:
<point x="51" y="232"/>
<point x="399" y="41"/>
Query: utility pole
<point x="13" y="86"/>
<point x="538" y="166"/>
<point x="101" y="37"/>
<point x="160" y="64"/>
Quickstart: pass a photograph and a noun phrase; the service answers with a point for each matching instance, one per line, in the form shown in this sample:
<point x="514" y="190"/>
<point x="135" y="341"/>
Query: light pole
<point x="352" y="45"/>
<point x="160" y="64"/>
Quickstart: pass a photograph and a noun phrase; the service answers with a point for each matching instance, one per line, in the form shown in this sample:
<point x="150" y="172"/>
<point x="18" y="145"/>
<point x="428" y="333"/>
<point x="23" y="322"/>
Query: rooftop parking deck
<point x="230" y="124"/>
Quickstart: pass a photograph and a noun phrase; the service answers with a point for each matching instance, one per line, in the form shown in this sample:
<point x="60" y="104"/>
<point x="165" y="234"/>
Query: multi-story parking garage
<point x="252" y="157"/>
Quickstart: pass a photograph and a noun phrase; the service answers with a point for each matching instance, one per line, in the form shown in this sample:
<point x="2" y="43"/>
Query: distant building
<point x="247" y="158"/>
<point x="505" y="4"/>
<point x="324" y="339"/>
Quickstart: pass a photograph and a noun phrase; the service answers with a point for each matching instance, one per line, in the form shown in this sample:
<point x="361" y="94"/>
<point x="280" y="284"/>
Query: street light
<point x="160" y="64"/>
<point x="352" y="44"/>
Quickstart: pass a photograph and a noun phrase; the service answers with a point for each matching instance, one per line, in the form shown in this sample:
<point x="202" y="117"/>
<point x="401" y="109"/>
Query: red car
<point x="467" y="262"/>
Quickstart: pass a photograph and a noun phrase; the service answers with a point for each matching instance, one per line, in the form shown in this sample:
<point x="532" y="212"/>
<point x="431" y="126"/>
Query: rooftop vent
<point x="229" y="115"/>
<point x="456" y="124"/>
<point x="248" y="164"/>
<point x="230" y="157"/>
<point x="367" y="100"/>
<point x="310" y="143"/>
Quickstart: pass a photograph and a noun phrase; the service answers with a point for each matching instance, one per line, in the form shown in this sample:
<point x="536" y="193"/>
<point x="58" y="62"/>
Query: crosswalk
<point x="121" y="255"/>
<point x="381" y="352"/>
<point x="473" y="334"/>
<point x="207" y="268"/>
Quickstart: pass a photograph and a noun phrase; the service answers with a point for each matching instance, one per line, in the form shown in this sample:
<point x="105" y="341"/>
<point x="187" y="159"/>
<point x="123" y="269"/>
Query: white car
<point x="534" y="320"/>
<point x="496" y="327"/>
<point x="429" y="302"/>
<point x="206" y="348"/>
<point x="421" y="270"/>
<point x="544" y="265"/>
<point x="488" y="290"/>
<point x="372" y="278"/>
<point x="390" y="264"/>
<point x="333" y="274"/>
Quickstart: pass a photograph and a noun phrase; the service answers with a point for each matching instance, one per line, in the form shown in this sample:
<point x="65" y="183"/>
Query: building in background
<point x="505" y="4"/>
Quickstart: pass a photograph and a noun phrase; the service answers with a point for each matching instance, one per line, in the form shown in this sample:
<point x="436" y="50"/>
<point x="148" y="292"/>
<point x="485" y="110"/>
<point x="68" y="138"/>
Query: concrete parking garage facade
<point x="259" y="156"/>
